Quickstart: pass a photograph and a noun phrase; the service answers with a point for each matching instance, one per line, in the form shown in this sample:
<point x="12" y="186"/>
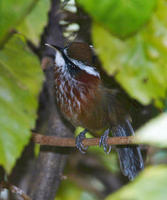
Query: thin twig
<point x="14" y="189"/>
<point x="70" y="142"/>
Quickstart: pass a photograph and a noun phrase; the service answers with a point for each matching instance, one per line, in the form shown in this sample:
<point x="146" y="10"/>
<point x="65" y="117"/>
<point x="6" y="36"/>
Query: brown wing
<point x="116" y="111"/>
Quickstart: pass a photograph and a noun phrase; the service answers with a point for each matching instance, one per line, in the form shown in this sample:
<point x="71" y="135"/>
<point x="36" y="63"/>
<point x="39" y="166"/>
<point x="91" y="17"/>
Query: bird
<point x="85" y="101"/>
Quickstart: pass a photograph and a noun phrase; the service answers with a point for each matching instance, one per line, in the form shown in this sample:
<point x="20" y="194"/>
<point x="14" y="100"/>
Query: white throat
<point x="59" y="60"/>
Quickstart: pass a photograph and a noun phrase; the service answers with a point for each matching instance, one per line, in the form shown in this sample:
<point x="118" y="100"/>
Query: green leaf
<point x="154" y="132"/>
<point x="33" y="25"/>
<point x="11" y="14"/>
<point x="151" y="184"/>
<point x="140" y="62"/>
<point x="20" y="83"/>
<point x="120" y="17"/>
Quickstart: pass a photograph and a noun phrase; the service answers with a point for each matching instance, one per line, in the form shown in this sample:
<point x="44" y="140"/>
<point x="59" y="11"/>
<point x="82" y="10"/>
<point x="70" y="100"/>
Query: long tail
<point x="130" y="158"/>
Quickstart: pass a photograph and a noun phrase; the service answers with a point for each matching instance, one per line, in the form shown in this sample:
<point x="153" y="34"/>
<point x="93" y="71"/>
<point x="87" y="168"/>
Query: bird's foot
<point x="79" y="140"/>
<point x="103" y="141"/>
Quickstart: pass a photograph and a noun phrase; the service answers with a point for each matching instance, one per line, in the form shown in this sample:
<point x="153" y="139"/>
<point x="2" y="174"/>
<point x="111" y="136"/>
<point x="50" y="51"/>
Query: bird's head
<point x="76" y="58"/>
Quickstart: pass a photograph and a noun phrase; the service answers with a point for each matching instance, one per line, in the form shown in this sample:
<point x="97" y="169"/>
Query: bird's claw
<point x="103" y="142"/>
<point x="79" y="140"/>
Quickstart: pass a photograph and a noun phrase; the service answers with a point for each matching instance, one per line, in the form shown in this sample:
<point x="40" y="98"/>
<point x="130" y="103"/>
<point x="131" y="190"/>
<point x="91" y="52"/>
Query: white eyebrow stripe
<point x="86" y="68"/>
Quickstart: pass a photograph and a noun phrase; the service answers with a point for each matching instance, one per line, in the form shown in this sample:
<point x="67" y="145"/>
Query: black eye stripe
<point x="72" y="68"/>
<point x="76" y="66"/>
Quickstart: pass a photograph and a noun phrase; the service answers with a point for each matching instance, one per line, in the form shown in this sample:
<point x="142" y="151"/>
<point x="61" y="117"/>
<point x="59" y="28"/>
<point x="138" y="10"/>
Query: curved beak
<point x="54" y="47"/>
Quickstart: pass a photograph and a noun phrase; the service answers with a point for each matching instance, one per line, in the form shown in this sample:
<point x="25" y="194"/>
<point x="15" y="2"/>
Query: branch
<point x="70" y="142"/>
<point x="49" y="166"/>
<point x="14" y="189"/>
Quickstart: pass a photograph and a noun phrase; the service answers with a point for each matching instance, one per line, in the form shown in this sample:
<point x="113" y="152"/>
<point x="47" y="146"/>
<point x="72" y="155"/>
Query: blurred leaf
<point x="33" y="24"/>
<point x="158" y="157"/>
<point x="150" y="185"/>
<point x="140" y="62"/>
<point x="11" y="14"/>
<point x="70" y="191"/>
<point x="20" y="83"/>
<point x="154" y="132"/>
<point x="110" y="161"/>
<point x="121" y="17"/>
<point x="165" y="108"/>
<point x="37" y="150"/>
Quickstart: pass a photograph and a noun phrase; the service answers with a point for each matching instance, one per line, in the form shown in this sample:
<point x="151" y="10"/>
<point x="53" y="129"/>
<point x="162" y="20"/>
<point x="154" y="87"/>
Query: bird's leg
<point x="79" y="140"/>
<point x="103" y="141"/>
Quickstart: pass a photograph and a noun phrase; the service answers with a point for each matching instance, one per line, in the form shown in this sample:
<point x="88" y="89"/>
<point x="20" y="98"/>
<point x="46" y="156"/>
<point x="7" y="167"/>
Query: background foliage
<point x="20" y="82"/>
<point x="130" y="38"/>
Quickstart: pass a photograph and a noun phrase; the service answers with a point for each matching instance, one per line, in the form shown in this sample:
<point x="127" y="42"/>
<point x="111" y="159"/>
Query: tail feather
<point x="131" y="161"/>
